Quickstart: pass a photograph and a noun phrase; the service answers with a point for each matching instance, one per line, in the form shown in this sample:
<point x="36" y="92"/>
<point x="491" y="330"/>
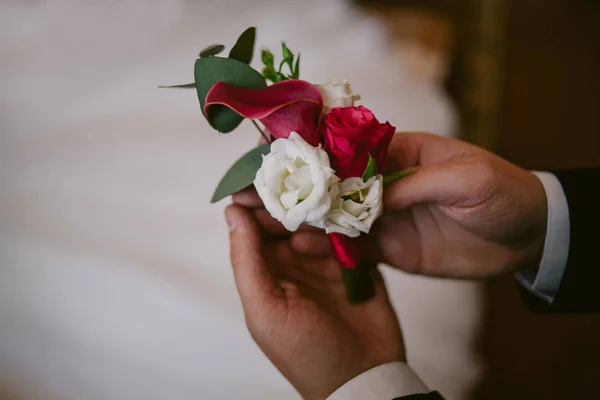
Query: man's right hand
<point x="465" y="212"/>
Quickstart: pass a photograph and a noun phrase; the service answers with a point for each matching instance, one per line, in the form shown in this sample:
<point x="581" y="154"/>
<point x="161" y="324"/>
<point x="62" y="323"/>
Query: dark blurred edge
<point x="476" y="55"/>
<point x="526" y="79"/>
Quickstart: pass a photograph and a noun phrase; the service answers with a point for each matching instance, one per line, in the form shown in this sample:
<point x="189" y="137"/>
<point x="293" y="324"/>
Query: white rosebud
<point x="359" y="204"/>
<point x="337" y="95"/>
<point x="296" y="182"/>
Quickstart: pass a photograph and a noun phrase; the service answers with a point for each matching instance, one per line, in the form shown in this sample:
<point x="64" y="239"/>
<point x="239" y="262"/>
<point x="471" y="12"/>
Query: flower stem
<point x="359" y="285"/>
<point x="261" y="131"/>
<point x="394" y="176"/>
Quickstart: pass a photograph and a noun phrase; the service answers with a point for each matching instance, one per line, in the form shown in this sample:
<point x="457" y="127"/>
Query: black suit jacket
<point x="422" y="396"/>
<point x="578" y="291"/>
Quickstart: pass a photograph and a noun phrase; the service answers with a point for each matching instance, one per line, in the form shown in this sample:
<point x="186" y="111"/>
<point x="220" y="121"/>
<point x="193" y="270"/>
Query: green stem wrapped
<point x="359" y="284"/>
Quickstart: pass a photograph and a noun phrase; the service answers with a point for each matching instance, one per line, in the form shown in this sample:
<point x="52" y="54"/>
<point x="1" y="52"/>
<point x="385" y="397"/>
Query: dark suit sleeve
<point x="578" y="291"/>
<point x="422" y="396"/>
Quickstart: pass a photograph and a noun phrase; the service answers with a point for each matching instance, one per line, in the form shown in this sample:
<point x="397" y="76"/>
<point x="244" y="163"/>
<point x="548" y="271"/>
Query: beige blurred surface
<point x="114" y="273"/>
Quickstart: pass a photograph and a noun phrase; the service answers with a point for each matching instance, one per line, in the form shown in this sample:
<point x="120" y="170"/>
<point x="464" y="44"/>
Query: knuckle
<point x="479" y="182"/>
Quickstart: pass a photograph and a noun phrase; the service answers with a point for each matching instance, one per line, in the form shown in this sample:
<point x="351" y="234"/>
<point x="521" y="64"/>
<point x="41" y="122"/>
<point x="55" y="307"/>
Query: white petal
<point x="340" y="220"/>
<point x="291" y="223"/>
<point x="317" y="204"/>
<point x="337" y="95"/>
<point x="361" y="212"/>
<point x="301" y="180"/>
<point x="289" y="199"/>
<point x="350" y="231"/>
<point x="270" y="200"/>
<point x="297" y="184"/>
<point x="354" y="209"/>
<point x="318" y="224"/>
<point x="375" y="191"/>
<point x="278" y="146"/>
<point x="275" y="180"/>
<point x="350" y="185"/>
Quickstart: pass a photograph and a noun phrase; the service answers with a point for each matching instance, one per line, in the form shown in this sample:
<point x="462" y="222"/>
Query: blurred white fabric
<point x="114" y="274"/>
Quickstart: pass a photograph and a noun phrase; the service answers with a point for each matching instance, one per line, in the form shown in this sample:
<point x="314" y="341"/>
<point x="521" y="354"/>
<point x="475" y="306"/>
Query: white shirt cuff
<point x="545" y="283"/>
<point x="384" y="382"/>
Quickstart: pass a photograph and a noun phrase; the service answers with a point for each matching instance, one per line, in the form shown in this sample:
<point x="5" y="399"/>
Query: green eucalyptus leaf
<point x="296" y="72"/>
<point x="211" y="51"/>
<point x="394" y="176"/>
<point x="211" y="70"/>
<point x="184" y="86"/>
<point x="371" y="169"/>
<point x="241" y="174"/>
<point x="243" y="50"/>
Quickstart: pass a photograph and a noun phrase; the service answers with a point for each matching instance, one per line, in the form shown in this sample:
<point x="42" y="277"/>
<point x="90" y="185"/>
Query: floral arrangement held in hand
<point x="324" y="157"/>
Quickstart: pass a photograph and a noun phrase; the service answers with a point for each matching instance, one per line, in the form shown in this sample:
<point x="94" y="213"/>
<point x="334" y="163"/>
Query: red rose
<point x="350" y="135"/>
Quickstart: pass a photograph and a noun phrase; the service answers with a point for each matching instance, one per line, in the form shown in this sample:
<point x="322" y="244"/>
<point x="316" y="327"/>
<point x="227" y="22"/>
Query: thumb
<point x="443" y="183"/>
<point x="254" y="282"/>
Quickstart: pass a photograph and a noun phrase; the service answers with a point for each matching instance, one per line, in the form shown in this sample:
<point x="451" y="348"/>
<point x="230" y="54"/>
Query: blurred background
<point x="114" y="274"/>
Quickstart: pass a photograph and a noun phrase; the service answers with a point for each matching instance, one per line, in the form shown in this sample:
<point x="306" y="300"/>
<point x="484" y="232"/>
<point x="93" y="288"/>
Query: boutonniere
<point x="323" y="163"/>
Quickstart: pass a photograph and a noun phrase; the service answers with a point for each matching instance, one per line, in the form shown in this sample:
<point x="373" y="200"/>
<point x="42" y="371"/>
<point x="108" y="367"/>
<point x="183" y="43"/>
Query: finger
<point x="316" y="244"/>
<point x="404" y="150"/>
<point x="283" y="260"/>
<point x="279" y="254"/>
<point x="268" y="223"/>
<point x="398" y="241"/>
<point x="311" y="243"/>
<point x="411" y="149"/>
<point x="274" y="227"/>
<point x="321" y="275"/>
<point x="324" y="268"/>
<point x="324" y="279"/>
<point x="254" y="282"/>
<point x="444" y="183"/>
<point x="247" y="198"/>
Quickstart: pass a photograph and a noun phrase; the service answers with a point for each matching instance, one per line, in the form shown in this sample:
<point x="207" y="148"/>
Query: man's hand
<point x="296" y="310"/>
<point x="465" y="213"/>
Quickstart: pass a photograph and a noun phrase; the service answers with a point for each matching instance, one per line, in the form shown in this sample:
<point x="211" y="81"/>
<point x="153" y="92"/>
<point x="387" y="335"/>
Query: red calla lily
<point x="284" y="107"/>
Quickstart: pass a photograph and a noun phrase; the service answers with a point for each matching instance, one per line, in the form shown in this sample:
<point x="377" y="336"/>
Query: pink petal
<point x="284" y="107"/>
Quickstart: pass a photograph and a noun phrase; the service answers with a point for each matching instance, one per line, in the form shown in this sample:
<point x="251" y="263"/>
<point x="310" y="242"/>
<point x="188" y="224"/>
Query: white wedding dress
<point x="114" y="274"/>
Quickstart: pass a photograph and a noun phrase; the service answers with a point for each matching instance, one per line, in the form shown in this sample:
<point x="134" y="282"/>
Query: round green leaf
<point x="212" y="51"/>
<point x="241" y="174"/>
<point x="209" y="71"/>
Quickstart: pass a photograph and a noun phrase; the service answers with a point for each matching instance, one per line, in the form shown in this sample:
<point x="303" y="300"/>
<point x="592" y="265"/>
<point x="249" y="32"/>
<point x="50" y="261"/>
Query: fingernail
<point x="230" y="219"/>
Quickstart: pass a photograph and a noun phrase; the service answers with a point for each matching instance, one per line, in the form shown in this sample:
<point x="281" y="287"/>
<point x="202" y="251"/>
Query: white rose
<point x="359" y="204"/>
<point x="337" y="95"/>
<point x="296" y="182"/>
